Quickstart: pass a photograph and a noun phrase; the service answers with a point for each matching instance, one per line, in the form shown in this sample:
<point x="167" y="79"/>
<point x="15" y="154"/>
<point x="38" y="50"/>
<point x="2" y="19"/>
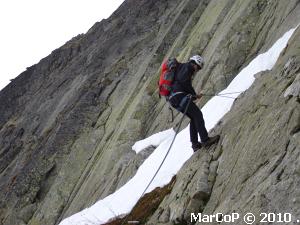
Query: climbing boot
<point x="211" y="141"/>
<point x="196" y="146"/>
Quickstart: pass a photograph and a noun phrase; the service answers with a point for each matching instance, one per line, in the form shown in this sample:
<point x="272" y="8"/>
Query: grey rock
<point x="67" y="124"/>
<point x="294" y="88"/>
<point x="165" y="216"/>
<point x="27" y="212"/>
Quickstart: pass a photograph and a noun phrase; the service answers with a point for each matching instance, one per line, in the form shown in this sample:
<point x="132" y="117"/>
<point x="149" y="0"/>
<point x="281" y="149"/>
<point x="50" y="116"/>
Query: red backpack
<point x="167" y="76"/>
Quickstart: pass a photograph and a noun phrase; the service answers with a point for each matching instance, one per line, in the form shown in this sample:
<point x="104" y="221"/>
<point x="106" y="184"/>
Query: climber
<point x="181" y="89"/>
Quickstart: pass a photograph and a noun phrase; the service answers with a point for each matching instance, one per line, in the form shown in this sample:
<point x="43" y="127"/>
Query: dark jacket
<point x="183" y="79"/>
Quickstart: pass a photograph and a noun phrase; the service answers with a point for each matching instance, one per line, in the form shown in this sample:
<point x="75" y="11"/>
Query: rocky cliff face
<point x="255" y="167"/>
<point x="67" y="124"/>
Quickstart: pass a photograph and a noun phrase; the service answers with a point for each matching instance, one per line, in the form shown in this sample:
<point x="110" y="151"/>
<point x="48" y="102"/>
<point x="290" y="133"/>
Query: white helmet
<point x="198" y="60"/>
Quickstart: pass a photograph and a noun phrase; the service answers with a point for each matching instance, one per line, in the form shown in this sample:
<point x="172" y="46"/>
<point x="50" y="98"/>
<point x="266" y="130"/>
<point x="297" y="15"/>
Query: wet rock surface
<point x="67" y="124"/>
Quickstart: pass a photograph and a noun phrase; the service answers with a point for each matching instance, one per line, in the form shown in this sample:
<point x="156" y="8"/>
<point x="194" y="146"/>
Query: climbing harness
<point x="181" y="103"/>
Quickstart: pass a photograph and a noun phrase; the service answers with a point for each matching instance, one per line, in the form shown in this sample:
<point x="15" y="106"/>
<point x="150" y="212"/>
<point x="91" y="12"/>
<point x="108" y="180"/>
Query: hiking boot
<point x="196" y="146"/>
<point x="211" y="141"/>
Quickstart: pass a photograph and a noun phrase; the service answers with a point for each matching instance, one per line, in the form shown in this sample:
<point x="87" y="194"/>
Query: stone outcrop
<point x="67" y="124"/>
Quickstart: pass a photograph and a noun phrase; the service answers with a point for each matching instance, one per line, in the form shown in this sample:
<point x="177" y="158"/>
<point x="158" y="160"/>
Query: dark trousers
<point x="197" y="124"/>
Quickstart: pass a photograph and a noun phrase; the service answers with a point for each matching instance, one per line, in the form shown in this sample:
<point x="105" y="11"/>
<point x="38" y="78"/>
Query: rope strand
<point x="186" y="108"/>
<point x="219" y="96"/>
<point x="230" y="93"/>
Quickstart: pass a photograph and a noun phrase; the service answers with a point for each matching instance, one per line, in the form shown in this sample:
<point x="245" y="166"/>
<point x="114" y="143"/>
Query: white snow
<point x="154" y="140"/>
<point x="123" y="200"/>
<point x="216" y="108"/>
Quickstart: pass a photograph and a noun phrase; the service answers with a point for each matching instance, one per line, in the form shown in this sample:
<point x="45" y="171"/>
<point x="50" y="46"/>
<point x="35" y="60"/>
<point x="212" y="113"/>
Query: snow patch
<point x="153" y="140"/>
